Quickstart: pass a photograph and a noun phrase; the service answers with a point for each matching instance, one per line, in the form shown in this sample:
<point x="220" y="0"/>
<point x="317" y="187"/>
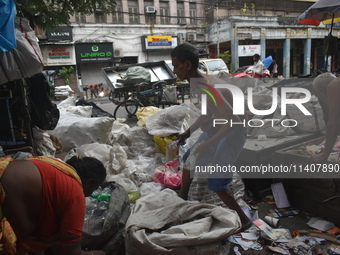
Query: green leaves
<point x="53" y="13"/>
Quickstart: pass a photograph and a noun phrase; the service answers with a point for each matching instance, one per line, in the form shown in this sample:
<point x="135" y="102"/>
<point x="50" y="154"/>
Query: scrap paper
<point x="280" y="195"/>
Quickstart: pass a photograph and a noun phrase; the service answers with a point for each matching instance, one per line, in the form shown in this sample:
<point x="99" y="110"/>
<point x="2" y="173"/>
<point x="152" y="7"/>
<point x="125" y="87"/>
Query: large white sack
<point x="71" y="101"/>
<point x="78" y="111"/>
<point x="74" y="131"/>
<point x="307" y="123"/>
<point x="156" y="226"/>
<point x="169" y="121"/>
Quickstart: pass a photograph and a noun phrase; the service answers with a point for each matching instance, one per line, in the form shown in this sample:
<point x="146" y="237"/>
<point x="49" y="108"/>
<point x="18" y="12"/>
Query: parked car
<point x="212" y="66"/>
<point x="245" y="71"/>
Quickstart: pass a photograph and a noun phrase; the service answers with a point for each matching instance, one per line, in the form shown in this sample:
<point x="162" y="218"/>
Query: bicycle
<point x="137" y="99"/>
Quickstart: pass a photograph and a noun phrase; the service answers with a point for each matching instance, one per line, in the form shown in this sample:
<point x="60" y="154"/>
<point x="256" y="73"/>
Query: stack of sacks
<point x="76" y="127"/>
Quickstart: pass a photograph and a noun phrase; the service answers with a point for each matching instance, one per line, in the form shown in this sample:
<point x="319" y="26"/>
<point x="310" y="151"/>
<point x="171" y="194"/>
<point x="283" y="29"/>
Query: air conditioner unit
<point x="98" y="9"/>
<point x="191" y="37"/>
<point x="150" y="9"/>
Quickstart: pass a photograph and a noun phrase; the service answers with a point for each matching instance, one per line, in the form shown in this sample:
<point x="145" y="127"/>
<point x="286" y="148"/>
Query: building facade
<point x="268" y="28"/>
<point x="138" y="31"/>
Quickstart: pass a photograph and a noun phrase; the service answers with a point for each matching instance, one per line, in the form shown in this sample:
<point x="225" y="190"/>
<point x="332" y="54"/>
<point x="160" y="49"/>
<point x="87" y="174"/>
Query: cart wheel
<point x="127" y="109"/>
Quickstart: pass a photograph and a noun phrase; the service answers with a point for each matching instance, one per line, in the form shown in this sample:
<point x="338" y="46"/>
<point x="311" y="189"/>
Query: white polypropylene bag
<point x="79" y="111"/>
<point x="74" y="131"/>
<point x="70" y="101"/>
<point x="162" y="223"/>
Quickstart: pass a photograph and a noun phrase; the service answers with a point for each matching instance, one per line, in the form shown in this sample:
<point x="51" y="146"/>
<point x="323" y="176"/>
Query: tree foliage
<point x="53" y="13"/>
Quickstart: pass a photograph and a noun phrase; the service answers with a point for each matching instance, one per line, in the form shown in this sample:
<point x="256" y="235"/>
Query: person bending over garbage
<point x="328" y="94"/>
<point x="217" y="145"/>
<point x="43" y="203"/>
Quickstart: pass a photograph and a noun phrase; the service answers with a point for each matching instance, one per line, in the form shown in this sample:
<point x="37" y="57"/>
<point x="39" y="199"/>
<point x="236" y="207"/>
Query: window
<point x="117" y="15"/>
<point x="164" y="13"/>
<point x="180" y="13"/>
<point x="133" y="12"/>
<point x="192" y="8"/>
<point x="99" y="17"/>
<point x="80" y="18"/>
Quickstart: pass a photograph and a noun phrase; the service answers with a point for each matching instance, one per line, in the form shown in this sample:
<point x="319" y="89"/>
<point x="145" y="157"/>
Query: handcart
<point x="129" y="97"/>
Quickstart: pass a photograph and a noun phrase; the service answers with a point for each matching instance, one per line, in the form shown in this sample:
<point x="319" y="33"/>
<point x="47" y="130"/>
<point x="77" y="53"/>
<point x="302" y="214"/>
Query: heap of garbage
<point x="138" y="206"/>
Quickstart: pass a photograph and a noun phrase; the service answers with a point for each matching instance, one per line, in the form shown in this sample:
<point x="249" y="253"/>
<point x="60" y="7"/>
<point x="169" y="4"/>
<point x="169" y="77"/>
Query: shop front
<point x="60" y="64"/>
<point x="91" y="58"/>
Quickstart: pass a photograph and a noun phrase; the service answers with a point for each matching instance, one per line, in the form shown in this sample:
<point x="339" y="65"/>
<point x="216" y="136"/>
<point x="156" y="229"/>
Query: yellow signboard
<point x="159" y="40"/>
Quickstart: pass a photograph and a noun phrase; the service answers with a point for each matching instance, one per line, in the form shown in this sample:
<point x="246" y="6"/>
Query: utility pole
<point x="218" y="33"/>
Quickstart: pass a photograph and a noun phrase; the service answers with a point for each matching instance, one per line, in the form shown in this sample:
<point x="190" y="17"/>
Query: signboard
<point x="58" y="54"/>
<point x="248" y="50"/>
<point x="60" y="34"/>
<point x="158" y="42"/>
<point x="94" y="52"/>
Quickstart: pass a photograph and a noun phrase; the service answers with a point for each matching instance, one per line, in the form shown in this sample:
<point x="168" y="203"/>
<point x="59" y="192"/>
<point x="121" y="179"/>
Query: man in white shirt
<point x="257" y="69"/>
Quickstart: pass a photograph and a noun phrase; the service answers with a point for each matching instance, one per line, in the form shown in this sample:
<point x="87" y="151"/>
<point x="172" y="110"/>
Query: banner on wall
<point x="248" y="50"/>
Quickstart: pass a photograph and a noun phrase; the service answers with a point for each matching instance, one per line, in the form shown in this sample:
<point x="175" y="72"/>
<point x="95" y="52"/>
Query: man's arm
<point x="333" y="92"/>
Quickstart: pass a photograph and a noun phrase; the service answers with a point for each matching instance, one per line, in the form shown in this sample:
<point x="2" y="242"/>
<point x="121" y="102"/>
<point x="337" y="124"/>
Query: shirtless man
<point x="220" y="145"/>
<point x="330" y="98"/>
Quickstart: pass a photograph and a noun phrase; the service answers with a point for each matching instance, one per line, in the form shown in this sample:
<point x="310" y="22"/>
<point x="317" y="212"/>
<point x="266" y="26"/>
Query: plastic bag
<point x="170" y="93"/>
<point x="162" y="142"/>
<point x="145" y="112"/>
<point x="136" y="74"/>
<point x="172" y="150"/>
<point x="7" y="31"/>
<point x="168" y="175"/>
<point x="26" y="59"/>
<point x="169" y="121"/>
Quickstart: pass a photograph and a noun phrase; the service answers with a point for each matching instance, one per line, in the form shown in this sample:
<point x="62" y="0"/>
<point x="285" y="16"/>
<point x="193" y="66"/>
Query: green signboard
<point x="94" y="52"/>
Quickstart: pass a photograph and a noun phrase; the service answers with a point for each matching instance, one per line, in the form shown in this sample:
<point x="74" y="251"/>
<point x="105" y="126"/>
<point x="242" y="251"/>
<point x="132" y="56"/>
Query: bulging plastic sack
<point x="25" y="60"/>
<point x="74" y="131"/>
<point x="136" y="74"/>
